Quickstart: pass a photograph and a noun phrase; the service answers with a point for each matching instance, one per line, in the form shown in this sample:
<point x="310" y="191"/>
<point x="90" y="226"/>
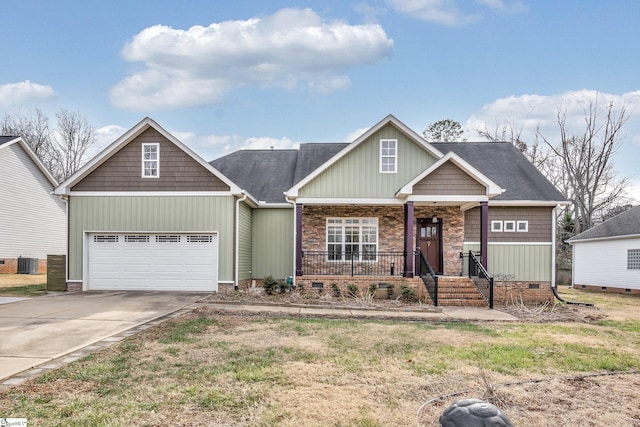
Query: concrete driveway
<point x="38" y="330"/>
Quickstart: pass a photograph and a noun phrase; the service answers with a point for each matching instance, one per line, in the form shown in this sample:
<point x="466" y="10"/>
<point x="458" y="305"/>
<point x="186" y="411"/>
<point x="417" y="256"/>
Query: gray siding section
<point x="447" y="180"/>
<point x="357" y="174"/>
<point x="540" y="224"/>
<point x="517" y="262"/>
<point x="272" y="243"/>
<point x="244" y="243"/>
<point x="32" y="221"/>
<point x="152" y="214"/>
<point x="178" y="171"/>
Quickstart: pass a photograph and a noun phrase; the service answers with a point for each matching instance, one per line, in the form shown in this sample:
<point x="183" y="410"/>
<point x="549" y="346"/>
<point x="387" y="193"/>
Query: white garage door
<point x="162" y="262"/>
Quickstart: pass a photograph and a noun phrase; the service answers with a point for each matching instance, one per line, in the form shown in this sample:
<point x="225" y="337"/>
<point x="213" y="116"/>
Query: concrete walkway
<point x="36" y="331"/>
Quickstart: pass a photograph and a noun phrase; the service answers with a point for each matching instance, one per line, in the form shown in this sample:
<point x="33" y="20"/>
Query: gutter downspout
<point x="293" y="205"/>
<point x="65" y="199"/>
<point x="237" y="239"/>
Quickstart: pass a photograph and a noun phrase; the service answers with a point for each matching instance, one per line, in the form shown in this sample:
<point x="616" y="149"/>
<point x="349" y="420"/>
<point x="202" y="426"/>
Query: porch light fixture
<point x="434" y="219"/>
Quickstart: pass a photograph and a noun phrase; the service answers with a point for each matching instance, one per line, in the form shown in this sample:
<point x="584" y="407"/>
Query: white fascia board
<point x="347" y="201"/>
<point x="293" y="191"/>
<point x="492" y="189"/>
<point x="512" y="243"/>
<point x="600" y="239"/>
<point x="126" y="138"/>
<point x="22" y="143"/>
<point x="263" y="205"/>
<point x="448" y="199"/>
<point x="527" y="203"/>
<point x="148" y="193"/>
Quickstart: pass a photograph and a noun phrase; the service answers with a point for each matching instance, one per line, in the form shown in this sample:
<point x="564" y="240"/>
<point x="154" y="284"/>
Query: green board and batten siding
<point x="272" y="243"/>
<point x="357" y="174"/>
<point x="152" y="214"/>
<point x="519" y="262"/>
<point x="245" y="243"/>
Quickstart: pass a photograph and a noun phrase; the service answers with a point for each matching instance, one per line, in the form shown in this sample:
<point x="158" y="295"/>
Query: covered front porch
<point x="415" y="244"/>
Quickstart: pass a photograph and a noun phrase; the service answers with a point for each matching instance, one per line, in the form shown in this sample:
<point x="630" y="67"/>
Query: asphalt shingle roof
<point x="625" y="224"/>
<point x="4" y="139"/>
<point x="505" y="165"/>
<point x="267" y="174"/>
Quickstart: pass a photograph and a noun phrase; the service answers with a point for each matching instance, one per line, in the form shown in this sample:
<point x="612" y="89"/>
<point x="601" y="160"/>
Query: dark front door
<point x="430" y="242"/>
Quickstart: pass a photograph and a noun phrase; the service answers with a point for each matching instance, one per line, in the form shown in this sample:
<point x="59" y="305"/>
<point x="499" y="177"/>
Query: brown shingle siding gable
<point x="448" y="179"/>
<point x="178" y="170"/>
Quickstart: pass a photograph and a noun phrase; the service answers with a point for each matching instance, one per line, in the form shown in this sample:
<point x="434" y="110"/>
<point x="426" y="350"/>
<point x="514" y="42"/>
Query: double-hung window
<point x="352" y="239"/>
<point x="388" y="155"/>
<point x="151" y="160"/>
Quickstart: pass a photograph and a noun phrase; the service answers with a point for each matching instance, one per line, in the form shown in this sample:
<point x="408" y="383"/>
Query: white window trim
<point x="525" y="228"/>
<point x="632" y="259"/>
<point x="509" y="226"/>
<point x="496" y="226"/>
<point x="394" y="157"/>
<point x="157" y="160"/>
<point x="360" y="224"/>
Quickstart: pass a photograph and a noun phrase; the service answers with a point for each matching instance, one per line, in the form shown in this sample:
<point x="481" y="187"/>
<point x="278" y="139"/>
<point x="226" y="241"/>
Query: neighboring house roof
<point x="267" y="174"/>
<point x="6" y="141"/>
<point x="506" y="166"/>
<point x="622" y="225"/>
<point x="130" y="135"/>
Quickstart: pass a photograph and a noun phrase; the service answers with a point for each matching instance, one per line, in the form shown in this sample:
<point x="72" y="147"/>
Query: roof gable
<point x="450" y="176"/>
<point x="8" y="141"/>
<point x="354" y="171"/>
<point x="622" y="225"/>
<point x="118" y="167"/>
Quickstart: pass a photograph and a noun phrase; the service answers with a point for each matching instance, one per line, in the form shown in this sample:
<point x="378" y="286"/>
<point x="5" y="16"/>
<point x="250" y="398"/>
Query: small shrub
<point x="283" y="286"/>
<point x="352" y="290"/>
<point x="373" y="288"/>
<point x="390" y="288"/>
<point x="335" y="290"/>
<point x="270" y="285"/>
<point x="300" y="287"/>
<point x="407" y="294"/>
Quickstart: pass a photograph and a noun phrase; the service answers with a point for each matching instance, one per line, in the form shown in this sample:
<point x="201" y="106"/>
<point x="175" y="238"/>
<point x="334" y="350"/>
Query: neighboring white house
<point x="607" y="256"/>
<point x="32" y="220"/>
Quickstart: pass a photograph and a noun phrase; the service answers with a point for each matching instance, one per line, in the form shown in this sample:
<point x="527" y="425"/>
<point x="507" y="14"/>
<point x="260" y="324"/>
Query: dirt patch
<point x="12" y="280"/>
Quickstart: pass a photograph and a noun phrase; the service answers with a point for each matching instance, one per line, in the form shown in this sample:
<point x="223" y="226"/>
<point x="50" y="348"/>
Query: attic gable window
<point x="388" y="156"/>
<point x="151" y="160"/>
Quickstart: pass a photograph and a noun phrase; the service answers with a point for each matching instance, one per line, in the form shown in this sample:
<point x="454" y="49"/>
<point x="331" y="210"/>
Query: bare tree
<point x="34" y="130"/>
<point x="74" y="136"/>
<point x="586" y="161"/>
<point x="446" y="130"/>
<point x="61" y="150"/>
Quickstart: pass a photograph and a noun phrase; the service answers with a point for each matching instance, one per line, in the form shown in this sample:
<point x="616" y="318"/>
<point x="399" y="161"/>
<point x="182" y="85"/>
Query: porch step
<point x="459" y="291"/>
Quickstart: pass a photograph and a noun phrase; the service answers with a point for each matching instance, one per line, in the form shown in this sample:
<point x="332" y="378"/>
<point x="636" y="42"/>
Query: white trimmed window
<point x="522" y="226"/>
<point x="151" y="160"/>
<point x="352" y="238"/>
<point x="496" y="226"/>
<point x="633" y="259"/>
<point x="388" y="156"/>
<point x="509" y="226"/>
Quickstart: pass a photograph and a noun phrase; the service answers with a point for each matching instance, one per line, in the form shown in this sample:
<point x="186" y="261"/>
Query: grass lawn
<point x="23" y="285"/>
<point x="209" y="368"/>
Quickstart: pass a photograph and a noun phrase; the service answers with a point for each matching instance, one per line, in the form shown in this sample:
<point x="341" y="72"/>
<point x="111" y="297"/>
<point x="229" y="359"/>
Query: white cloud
<point x="24" y="92"/>
<point x="438" y="11"/>
<point x="527" y="112"/>
<point x="356" y="134"/>
<point x="506" y="7"/>
<point x="265" y="142"/>
<point x="447" y="12"/>
<point x="199" y="66"/>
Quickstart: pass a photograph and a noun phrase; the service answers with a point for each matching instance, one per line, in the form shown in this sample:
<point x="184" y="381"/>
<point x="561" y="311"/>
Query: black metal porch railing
<point x="481" y="278"/>
<point x="343" y="263"/>
<point x="428" y="276"/>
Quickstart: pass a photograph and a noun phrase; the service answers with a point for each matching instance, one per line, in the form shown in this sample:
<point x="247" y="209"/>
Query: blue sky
<point x="224" y="75"/>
